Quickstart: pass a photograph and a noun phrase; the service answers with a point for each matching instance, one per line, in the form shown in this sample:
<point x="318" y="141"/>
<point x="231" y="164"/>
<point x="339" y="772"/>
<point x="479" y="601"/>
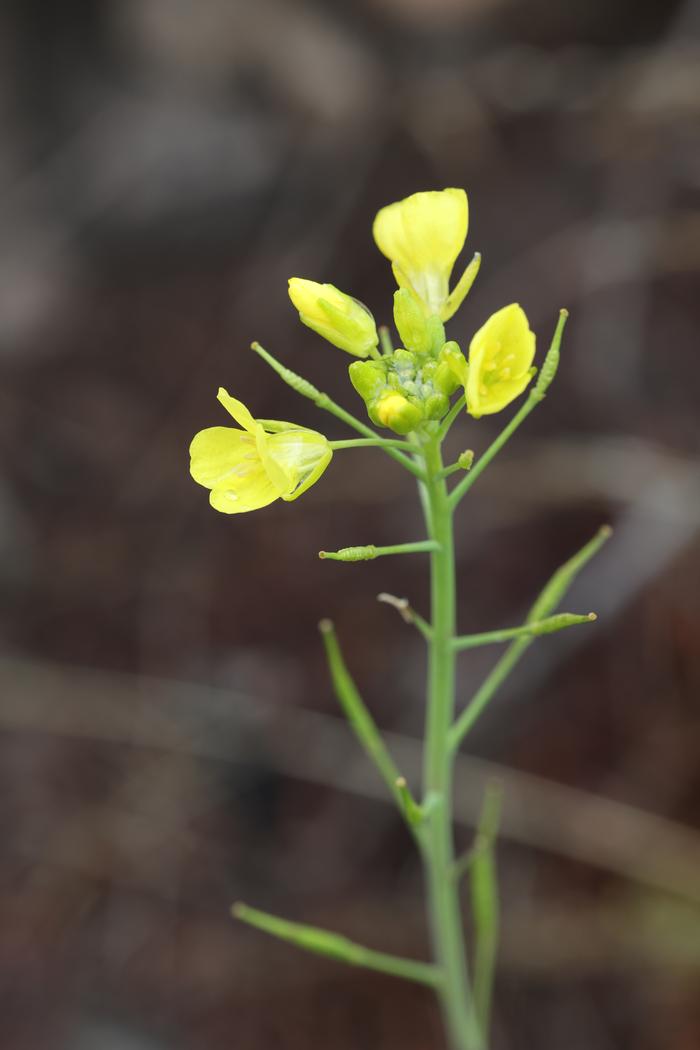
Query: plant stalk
<point x="443" y="893"/>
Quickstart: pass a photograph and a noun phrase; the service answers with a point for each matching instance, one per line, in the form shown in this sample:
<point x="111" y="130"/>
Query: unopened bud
<point x="396" y="412"/>
<point x="342" y="320"/>
<point x="368" y="378"/>
<point x="411" y="322"/>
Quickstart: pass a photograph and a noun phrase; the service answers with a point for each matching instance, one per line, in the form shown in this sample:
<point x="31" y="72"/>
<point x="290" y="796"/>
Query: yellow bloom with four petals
<point x="422" y="236"/>
<point x="265" y="460"/>
<point x="500" y="362"/>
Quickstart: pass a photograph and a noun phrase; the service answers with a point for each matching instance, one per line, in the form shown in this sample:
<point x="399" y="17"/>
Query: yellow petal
<point x="237" y="409"/>
<point x="303" y="455"/>
<point x="305" y="296"/>
<point x="227" y="461"/>
<point x="422" y="236"/>
<point x="500" y="359"/>
<point x="239" y="501"/>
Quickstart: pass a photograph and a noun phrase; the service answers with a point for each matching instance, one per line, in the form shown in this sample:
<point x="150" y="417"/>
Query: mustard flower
<point x="343" y="321"/>
<point x="500" y="360"/>
<point x="266" y="460"/>
<point x="422" y="236"/>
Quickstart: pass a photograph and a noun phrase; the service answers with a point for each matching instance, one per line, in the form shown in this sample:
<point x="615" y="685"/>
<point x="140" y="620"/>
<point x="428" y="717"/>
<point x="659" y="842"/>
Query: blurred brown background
<point x="169" y="742"/>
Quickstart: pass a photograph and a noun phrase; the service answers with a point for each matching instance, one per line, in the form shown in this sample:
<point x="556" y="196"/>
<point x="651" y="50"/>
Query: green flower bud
<point x="368" y="378"/>
<point x="404" y="362"/>
<point x="396" y="412"/>
<point x="436" y="406"/>
<point x="436" y="330"/>
<point x="411" y="322"/>
<point x="451" y="370"/>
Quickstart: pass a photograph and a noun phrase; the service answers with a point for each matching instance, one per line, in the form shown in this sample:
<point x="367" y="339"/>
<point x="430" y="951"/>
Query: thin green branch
<point x="361" y="721"/>
<point x="370" y="552"/>
<point x="377" y="442"/>
<point x="548" y="600"/>
<point x="536" y="395"/>
<point x="450" y="417"/>
<point x="547" y="626"/>
<point x="321" y="400"/>
<point x="334" y="946"/>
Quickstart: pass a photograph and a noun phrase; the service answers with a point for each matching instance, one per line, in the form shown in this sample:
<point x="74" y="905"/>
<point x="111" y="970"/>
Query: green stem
<point x="444" y="907"/>
<point x="385" y="340"/>
<point x="483" y="695"/>
<point x="462" y="488"/>
<point x="451" y="416"/>
<point x="377" y="442"/>
<point x="334" y="946"/>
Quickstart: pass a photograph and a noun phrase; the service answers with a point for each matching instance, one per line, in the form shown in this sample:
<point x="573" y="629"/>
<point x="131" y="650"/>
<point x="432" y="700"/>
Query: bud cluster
<point x="412" y="385"/>
<point x="405" y="389"/>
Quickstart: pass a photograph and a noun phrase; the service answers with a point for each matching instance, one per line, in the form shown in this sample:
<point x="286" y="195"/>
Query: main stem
<point x="443" y="893"/>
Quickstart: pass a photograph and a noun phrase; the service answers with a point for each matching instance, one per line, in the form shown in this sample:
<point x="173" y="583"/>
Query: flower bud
<point x="339" y="318"/>
<point x="452" y="369"/>
<point x="396" y="412"/>
<point x="437" y="334"/>
<point x="404" y="362"/>
<point x="436" y="406"/>
<point x="411" y="322"/>
<point x="368" y="378"/>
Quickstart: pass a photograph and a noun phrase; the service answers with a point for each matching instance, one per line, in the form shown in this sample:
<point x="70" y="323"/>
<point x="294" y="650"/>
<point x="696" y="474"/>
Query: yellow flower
<point x="422" y="237"/>
<point x="266" y="460"/>
<point x="342" y="320"/>
<point x="500" y="360"/>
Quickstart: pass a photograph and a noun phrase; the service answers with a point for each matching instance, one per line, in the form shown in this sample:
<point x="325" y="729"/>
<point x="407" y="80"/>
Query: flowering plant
<point x="410" y="391"/>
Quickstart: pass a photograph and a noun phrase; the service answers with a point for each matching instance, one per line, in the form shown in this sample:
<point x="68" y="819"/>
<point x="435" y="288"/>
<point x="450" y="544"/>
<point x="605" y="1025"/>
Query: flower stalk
<point x="414" y="392"/>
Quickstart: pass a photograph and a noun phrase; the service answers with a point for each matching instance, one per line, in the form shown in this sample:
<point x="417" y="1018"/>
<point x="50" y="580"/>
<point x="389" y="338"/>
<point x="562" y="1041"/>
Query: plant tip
<point x="592" y="616"/>
<point x="325" y="625"/>
<point x="606" y="531"/>
<point x="401" y="782"/>
<point x="322" y="555"/>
